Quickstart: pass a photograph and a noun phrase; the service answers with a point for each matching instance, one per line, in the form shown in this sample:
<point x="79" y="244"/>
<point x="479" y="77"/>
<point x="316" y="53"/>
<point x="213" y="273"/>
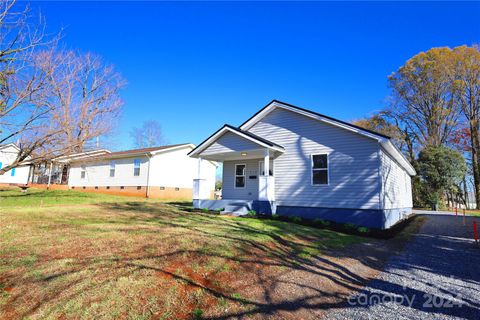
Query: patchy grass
<point x="84" y="255"/>
<point x="12" y="197"/>
<point x="471" y="212"/>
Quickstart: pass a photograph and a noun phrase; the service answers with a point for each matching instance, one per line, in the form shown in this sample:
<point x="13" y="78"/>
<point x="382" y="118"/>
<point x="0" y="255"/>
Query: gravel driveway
<point x="437" y="276"/>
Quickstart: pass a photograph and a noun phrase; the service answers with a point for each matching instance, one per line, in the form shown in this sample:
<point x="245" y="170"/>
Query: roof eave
<point x="398" y="156"/>
<point x="182" y="146"/>
<point x="195" y="153"/>
<point x="336" y="122"/>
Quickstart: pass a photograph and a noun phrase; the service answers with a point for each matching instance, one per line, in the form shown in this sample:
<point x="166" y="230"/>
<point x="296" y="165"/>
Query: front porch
<point x="248" y="181"/>
<point x="236" y="207"/>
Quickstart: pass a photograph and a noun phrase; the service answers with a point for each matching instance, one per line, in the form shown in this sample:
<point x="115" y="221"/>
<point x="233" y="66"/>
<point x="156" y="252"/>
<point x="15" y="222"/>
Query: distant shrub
<point x="349" y="226"/>
<point x="295" y="219"/>
<point x="205" y="210"/>
<point x="218" y="210"/>
<point x="275" y="216"/>
<point x="322" y="222"/>
<point x="363" y="230"/>
<point x="251" y="213"/>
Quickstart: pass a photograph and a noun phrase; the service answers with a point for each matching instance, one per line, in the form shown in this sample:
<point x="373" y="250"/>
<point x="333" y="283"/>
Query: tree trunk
<point x="465" y="191"/>
<point x="475" y="141"/>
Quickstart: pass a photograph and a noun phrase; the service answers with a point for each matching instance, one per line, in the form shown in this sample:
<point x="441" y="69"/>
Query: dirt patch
<point x="126" y="261"/>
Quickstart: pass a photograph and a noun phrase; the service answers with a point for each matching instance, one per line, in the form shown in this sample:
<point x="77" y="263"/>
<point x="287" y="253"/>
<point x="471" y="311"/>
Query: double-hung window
<point x="112" y="168"/>
<point x="320" y="169"/>
<point x="136" y="167"/>
<point x="83" y="172"/>
<point x="240" y="175"/>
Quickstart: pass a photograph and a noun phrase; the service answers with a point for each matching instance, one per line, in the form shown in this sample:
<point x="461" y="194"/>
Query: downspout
<point x="380" y="179"/>
<point x="148" y="177"/>
<point x="381" y="202"/>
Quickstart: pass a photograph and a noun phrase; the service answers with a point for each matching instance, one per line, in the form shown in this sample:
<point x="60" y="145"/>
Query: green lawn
<point x="11" y="197"/>
<point x="474" y="213"/>
<point x="67" y="254"/>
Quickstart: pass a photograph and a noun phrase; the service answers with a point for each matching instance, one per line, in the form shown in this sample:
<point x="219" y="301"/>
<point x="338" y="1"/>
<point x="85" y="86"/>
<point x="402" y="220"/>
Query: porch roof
<point x="254" y="145"/>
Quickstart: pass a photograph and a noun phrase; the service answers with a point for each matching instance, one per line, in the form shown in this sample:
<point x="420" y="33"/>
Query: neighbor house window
<point x="83" y="172"/>
<point x="240" y="175"/>
<point x="136" y="167"/>
<point x="112" y="168"/>
<point x="319" y="169"/>
<point x="13" y="172"/>
<point x="0" y="165"/>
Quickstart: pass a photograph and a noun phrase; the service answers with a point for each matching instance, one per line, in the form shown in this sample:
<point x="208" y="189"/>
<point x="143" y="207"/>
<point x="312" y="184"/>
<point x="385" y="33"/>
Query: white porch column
<point x="199" y="168"/>
<point x="266" y="163"/>
<point x="266" y="183"/>
<point x="200" y="187"/>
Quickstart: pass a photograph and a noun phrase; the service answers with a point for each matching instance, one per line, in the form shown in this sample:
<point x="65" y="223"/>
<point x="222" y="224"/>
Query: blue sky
<point x="194" y="66"/>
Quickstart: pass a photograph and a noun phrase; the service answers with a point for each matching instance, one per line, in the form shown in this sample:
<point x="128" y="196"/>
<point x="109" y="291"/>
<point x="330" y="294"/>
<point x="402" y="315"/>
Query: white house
<point x="292" y="161"/>
<point x="15" y="176"/>
<point x="161" y="172"/>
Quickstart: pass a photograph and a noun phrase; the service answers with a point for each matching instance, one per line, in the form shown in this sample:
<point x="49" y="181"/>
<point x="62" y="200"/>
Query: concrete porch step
<point x="237" y="209"/>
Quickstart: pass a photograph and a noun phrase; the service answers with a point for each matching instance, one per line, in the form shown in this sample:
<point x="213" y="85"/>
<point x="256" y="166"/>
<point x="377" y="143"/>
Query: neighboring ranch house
<point x="15" y="176"/>
<point x="292" y="161"/>
<point x="159" y="172"/>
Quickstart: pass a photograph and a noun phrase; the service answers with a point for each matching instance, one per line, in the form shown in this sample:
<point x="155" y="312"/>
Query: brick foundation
<point x="155" y="191"/>
<point x="52" y="186"/>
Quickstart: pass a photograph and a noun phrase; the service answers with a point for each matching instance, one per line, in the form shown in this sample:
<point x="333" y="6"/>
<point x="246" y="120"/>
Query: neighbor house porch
<point x="248" y="181"/>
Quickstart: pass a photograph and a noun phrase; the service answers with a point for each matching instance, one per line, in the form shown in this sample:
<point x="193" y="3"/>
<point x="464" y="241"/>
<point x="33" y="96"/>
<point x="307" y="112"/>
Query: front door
<point x="260" y="168"/>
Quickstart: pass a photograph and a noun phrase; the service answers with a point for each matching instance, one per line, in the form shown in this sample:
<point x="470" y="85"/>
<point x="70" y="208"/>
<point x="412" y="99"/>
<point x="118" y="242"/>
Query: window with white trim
<point x="112" y="168"/>
<point x="320" y="169"/>
<point x="240" y="175"/>
<point x="136" y="167"/>
<point x="83" y="172"/>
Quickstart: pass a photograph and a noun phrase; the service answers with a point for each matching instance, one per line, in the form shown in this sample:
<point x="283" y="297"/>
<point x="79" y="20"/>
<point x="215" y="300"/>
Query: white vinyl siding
<point x="18" y="175"/>
<point x="98" y="173"/>
<point x="230" y="142"/>
<point x="250" y="192"/>
<point x="172" y="169"/>
<point x="353" y="162"/>
<point x="396" y="185"/>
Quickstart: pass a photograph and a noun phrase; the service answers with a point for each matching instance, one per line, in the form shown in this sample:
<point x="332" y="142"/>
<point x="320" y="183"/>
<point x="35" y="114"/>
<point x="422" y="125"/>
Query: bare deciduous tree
<point x="148" y="135"/>
<point x="23" y="112"/>
<point x="52" y="103"/>
<point x="84" y="99"/>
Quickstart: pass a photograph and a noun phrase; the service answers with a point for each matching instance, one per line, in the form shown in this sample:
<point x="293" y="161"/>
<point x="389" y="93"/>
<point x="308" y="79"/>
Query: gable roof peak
<point x="280" y="104"/>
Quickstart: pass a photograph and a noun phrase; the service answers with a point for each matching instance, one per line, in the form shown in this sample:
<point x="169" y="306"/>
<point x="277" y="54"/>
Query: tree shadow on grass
<point x="270" y="269"/>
